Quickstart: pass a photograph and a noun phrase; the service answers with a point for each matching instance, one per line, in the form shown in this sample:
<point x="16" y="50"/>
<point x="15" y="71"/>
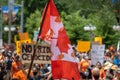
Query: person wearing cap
<point x="108" y="70"/>
<point x="103" y="71"/>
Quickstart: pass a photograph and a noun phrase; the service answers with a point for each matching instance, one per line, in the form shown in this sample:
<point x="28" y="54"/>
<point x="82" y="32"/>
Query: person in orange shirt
<point x="17" y="71"/>
<point x="15" y="67"/>
<point x="21" y="75"/>
<point x="84" y="65"/>
<point x="1" y="57"/>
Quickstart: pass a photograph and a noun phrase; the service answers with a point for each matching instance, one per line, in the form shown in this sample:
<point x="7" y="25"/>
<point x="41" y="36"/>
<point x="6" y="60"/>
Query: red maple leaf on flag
<point x="63" y="41"/>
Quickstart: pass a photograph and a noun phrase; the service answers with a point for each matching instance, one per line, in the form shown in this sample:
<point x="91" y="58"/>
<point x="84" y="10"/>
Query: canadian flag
<point x="63" y="62"/>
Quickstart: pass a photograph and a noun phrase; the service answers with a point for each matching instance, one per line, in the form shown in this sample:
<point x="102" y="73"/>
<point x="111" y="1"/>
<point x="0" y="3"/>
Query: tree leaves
<point x="75" y="16"/>
<point x="33" y="22"/>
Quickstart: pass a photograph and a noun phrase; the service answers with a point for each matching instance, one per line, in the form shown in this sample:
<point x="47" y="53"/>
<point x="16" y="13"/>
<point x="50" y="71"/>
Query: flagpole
<point x="42" y="22"/>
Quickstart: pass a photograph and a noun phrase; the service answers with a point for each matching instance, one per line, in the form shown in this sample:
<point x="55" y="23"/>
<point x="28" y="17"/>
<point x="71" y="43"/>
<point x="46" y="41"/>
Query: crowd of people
<point x="108" y="70"/>
<point x="12" y="68"/>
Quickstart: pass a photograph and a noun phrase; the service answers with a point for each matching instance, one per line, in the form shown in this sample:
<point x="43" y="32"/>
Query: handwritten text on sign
<point x="97" y="54"/>
<point x="42" y="54"/>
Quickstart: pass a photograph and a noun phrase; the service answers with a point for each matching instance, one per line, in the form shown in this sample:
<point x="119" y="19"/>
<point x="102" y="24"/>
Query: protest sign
<point x="97" y="54"/>
<point x="23" y="36"/>
<point x="18" y="45"/>
<point x="83" y="46"/>
<point x="42" y="54"/>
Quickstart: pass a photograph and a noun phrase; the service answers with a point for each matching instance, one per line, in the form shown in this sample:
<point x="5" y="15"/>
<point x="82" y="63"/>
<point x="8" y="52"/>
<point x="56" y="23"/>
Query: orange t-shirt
<point x="31" y="72"/>
<point x="21" y="75"/>
<point x="84" y="65"/>
<point x="1" y="57"/>
<point x="15" y="69"/>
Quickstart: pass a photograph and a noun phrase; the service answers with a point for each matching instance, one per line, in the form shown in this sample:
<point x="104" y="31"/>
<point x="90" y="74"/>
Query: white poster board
<point x="97" y="54"/>
<point x="35" y="35"/>
<point x="1" y="42"/>
<point x="118" y="46"/>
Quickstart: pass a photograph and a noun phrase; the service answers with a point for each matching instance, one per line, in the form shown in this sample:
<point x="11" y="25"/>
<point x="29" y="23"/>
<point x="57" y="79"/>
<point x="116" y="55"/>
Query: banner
<point x="42" y="54"/>
<point x="5" y="11"/>
<point x="83" y="46"/>
<point x="97" y="54"/>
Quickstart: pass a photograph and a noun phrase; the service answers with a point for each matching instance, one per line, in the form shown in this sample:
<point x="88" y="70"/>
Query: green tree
<point x="75" y="15"/>
<point x="74" y="24"/>
<point x="33" y="23"/>
<point x="104" y="20"/>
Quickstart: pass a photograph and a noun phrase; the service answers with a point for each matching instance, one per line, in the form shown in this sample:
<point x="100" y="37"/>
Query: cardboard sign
<point x="83" y="46"/>
<point x="42" y="54"/>
<point x="23" y="36"/>
<point x="18" y="45"/>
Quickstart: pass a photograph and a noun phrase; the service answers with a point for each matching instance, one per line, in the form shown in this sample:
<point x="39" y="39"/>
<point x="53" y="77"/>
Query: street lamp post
<point x="116" y="27"/>
<point x="10" y="5"/>
<point x="1" y="40"/>
<point x="22" y="15"/>
<point x="0" y="23"/>
<point x="90" y="28"/>
<point x="22" y="10"/>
